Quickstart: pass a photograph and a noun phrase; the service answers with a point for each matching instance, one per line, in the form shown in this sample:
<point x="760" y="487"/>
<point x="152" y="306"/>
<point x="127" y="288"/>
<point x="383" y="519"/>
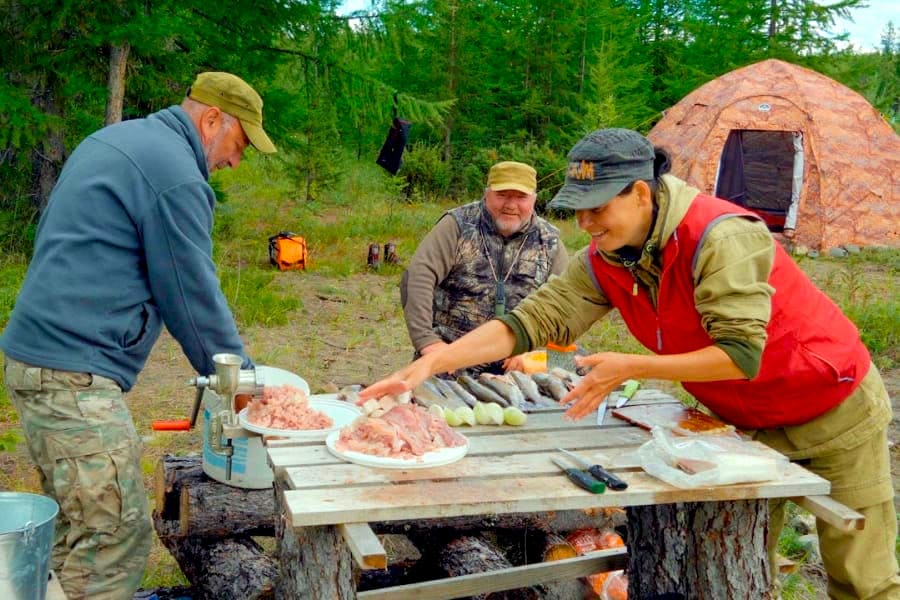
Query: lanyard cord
<point x="515" y="259"/>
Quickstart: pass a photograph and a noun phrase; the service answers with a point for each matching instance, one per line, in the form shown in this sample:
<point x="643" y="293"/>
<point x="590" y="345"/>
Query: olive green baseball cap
<point x="234" y="96"/>
<point x="601" y="165"/>
<point x="511" y="175"/>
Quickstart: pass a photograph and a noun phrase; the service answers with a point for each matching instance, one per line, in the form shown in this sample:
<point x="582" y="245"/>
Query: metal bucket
<point x="26" y="540"/>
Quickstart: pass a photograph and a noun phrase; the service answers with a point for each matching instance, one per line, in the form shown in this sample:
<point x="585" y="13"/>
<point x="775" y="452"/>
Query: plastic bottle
<point x="561" y="356"/>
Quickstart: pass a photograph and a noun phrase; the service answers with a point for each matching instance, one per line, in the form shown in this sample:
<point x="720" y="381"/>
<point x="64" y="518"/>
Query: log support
<point x="701" y="550"/>
<point x="314" y="562"/>
<point x="233" y="567"/>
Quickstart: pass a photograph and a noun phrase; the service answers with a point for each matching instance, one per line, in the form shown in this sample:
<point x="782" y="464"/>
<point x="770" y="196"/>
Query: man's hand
<point x="608" y="370"/>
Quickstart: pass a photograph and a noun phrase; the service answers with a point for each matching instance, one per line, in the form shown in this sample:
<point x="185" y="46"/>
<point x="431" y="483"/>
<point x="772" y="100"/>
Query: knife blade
<point x="601" y="410"/>
<point x="613" y="482"/>
<point x="580" y="478"/>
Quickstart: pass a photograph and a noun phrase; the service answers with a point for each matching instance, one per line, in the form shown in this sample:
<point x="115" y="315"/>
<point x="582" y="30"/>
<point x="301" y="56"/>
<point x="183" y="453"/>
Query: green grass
<point x="259" y="200"/>
<point x="864" y="286"/>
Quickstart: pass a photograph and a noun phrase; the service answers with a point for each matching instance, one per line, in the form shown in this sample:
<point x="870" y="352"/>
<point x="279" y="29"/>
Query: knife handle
<point x="585" y="481"/>
<point x="608" y="478"/>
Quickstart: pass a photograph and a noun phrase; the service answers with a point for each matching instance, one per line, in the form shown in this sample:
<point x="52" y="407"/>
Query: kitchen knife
<point x="601" y="410"/>
<point x="580" y="478"/>
<point x="630" y="389"/>
<point x="598" y="472"/>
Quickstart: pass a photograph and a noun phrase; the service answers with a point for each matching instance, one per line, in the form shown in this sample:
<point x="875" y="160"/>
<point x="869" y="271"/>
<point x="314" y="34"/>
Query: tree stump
<point x="561" y="521"/>
<point x="219" y="568"/>
<point x="470" y="554"/>
<point x="314" y="562"/>
<point x="207" y="508"/>
<point x="681" y="548"/>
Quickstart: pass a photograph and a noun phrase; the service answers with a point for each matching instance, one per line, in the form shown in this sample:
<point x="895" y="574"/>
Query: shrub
<point x="549" y="164"/>
<point x="427" y="175"/>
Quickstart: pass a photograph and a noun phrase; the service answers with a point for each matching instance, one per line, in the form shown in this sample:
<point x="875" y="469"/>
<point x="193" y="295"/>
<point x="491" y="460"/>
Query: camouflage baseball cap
<point x="601" y="165"/>
<point x="510" y="175"/>
<point x="234" y="96"/>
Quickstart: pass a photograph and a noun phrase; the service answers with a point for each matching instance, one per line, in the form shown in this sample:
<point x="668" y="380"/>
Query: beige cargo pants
<point x="849" y="447"/>
<point x="82" y="439"/>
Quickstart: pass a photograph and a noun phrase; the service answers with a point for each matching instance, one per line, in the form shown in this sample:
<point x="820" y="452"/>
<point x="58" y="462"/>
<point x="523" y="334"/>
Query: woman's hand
<point x="514" y="363"/>
<point x="404" y="380"/>
<point x="434" y="347"/>
<point x="608" y="370"/>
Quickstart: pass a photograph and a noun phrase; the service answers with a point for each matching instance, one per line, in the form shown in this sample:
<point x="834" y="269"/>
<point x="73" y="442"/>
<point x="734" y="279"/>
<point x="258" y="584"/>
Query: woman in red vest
<point x="701" y="283"/>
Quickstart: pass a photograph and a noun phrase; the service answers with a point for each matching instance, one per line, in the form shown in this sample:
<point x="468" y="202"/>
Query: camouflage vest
<point x="465" y="299"/>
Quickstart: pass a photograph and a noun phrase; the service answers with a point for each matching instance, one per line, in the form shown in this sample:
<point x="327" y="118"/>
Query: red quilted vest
<point x="813" y="358"/>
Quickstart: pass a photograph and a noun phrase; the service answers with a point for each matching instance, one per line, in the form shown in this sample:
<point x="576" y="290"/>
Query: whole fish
<point x="550" y="385"/>
<point x="462" y="392"/>
<point x="350" y="393"/>
<point x="483" y="393"/>
<point x="504" y="386"/>
<point x="452" y="399"/>
<point x="427" y="394"/>
<point x="527" y="385"/>
<point x="569" y="378"/>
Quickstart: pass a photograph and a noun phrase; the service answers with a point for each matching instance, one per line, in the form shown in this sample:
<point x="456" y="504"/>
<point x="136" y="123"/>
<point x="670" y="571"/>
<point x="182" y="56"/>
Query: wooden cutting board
<point x="677" y="417"/>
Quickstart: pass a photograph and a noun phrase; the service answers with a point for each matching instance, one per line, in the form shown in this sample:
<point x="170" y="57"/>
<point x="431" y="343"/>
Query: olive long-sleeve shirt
<point x="731" y="293"/>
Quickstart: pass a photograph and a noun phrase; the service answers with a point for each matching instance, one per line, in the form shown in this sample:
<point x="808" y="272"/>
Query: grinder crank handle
<point x="180" y="424"/>
<point x="196" y="409"/>
<point x="171" y="425"/>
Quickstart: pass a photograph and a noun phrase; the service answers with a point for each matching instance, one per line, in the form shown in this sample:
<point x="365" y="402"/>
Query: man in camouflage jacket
<point x="479" y="261"/>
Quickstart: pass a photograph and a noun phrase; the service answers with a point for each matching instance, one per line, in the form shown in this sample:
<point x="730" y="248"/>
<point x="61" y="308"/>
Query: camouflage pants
<point x="82" y="439"/>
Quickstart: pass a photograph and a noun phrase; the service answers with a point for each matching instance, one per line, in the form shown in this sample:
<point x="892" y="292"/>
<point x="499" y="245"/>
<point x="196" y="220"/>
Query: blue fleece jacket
<point x="122" y="248"/>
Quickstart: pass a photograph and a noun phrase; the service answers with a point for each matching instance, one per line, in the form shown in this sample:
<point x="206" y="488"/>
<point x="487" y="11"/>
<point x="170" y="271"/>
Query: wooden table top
<point x="506" y="470"/>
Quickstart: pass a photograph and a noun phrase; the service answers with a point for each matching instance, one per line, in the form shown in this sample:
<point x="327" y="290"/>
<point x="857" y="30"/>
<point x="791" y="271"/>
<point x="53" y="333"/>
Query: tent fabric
<point x="850" y="155"/>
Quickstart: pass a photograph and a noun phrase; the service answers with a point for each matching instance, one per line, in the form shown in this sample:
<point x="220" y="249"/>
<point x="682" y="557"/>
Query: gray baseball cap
<point x="601" y="165"/>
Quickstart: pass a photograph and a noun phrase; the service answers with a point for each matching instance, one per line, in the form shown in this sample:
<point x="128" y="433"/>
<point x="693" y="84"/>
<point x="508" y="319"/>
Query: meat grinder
<point x="230" y="452"/>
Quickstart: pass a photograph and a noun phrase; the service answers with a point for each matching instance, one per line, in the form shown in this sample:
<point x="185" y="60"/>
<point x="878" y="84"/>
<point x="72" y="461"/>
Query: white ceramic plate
<point x="435" y="458"/>
<point x="342" y="413"/>
<point x="275" y="376"/>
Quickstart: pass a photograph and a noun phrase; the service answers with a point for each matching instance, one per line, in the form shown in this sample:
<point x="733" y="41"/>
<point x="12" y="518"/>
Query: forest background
<point x="480" y="81"/>
<point x="518" y="79"/>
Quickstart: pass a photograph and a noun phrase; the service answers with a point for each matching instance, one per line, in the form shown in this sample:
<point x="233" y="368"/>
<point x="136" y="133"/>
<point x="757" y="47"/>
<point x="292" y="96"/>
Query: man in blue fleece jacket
<point x="122" y="249"/>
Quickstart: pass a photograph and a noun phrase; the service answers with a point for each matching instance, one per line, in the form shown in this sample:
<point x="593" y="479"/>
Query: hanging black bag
<point x="391" y="155"/>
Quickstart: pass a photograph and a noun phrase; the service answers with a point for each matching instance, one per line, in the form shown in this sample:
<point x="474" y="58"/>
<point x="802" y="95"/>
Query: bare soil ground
<point x="346" y="331"/>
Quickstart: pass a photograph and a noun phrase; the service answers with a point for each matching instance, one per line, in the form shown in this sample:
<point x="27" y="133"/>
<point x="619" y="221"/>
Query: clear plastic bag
<point x="701" y="461"/>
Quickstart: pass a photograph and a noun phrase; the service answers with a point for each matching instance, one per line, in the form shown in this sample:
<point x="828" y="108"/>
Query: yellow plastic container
<point x="534" y="361"/>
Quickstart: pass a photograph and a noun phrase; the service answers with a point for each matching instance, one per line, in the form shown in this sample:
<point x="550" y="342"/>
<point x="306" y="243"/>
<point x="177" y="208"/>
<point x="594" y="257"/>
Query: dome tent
<point x="798" y="148"/>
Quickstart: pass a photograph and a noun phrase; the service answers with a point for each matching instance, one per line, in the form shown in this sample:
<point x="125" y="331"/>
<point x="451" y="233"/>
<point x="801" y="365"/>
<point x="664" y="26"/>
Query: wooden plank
<point x="503" y="579"/>
<point x="550" y="419"/>
<point x="439" y="499"/>
<point x="505" y="445"/>
<point x="522" y="465"/>
<point x="364" y="545"/>
<point x="616" y="459"/>
<point x="832" y="512"/>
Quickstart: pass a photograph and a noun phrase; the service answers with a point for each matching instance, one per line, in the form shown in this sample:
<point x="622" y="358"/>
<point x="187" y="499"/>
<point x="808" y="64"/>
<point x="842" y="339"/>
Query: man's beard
<point x="505" y="226"/>
<point x="213" y="143"/>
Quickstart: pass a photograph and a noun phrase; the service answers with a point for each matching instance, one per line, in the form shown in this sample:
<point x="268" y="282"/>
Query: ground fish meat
<point x="406" y="431"/>
<point x="286" y="407"/>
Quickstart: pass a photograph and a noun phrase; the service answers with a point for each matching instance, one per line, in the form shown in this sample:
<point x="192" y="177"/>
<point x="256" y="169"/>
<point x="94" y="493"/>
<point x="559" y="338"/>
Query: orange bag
<point x="589" y="540"/>
<point x="288" y="251"/>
